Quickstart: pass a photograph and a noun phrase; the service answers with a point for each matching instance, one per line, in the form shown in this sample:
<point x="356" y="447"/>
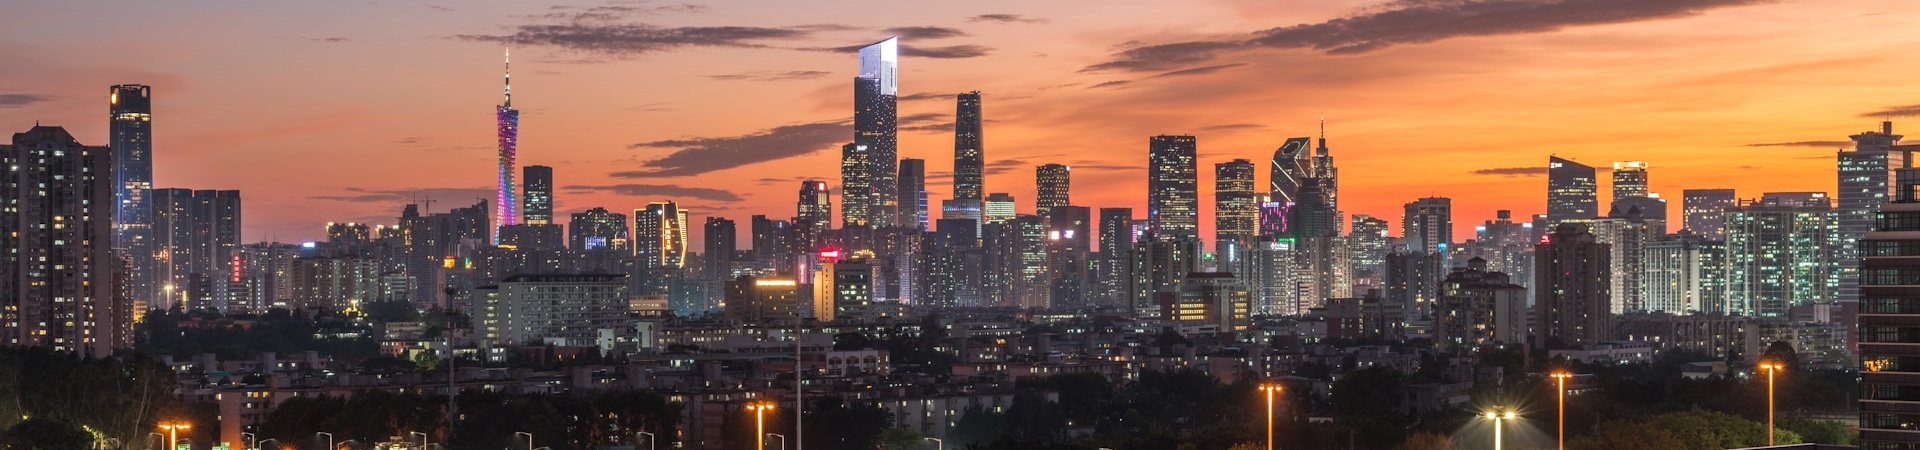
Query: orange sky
<point x="337" y="111"/>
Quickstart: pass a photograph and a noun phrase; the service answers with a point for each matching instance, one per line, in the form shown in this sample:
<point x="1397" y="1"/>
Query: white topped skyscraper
<point x="875" y="125"/>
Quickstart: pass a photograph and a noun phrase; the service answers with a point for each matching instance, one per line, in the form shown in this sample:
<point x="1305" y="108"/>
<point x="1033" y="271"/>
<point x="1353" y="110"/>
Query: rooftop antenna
<point x="507" y="69"/>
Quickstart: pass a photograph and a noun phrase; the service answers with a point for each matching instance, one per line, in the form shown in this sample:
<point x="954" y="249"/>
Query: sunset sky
<point x="343" y="111"/>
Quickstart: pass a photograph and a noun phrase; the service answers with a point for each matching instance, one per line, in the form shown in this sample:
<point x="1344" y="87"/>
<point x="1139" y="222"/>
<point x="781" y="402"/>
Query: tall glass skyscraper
<point x="1629" y="179"/>
<point x="1173" y="187"/>
<point x="1235" y="213"/>
<point x="1889" y="320"/>
<point x="875" y="125"/>
<point x="813" y="213"/>
<point x="1052" y="182"/>
<point x="969" y="152"/>
<point x="1292" y="166"/>
<point x="1570" y="191"/>
<point x="856" y="185"/>
<point x="913" y="193"/>
<point x="130" y="135"/>
<point x="1704" y="212"/>
<point x="538" y="195"/>
<point x="508" y="120"/>
<point x="1866" y="183"/>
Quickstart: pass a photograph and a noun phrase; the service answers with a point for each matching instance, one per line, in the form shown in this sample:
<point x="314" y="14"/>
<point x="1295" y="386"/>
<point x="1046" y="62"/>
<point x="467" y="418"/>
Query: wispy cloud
<point x="445" y="197"/>
<point x="1823" y="144"/>
<point x="913" y="33"/>
<point x="772" y="75"/>
<point x="328" y="40"/>
<point x="1232" y="126"/>
<point x="1895" y="111"/>
<point x="947" y="52"/>
<point x="1005" y="18"/>
<point x="629" y="40"/>
<point x="661" y="190"/>
<point x="924" y="96"/>
<point x="1513" y="172"/>
<point x="1198" y="70"/>
<point x="696" y="156"/>
<point x="1403" y="22"/>
<point x="19" y="100"/>
<point x="1110" y="84"/>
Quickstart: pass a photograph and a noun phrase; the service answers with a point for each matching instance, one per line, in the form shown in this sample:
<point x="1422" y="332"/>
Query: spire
<point x="507" y="101"/>
<point x="1322" y="150"/>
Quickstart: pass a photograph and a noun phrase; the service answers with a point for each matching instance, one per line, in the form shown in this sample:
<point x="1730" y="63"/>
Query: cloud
<point x="947" y="52"/>
<point x="1513" y="172"/>
<point x="1114" y="83"/>
<point x="1414" y="22"/>
<point x="628" y="40"/>
<point x="445" y="197"/>
<point x="659" y="190"/>
<point x="1005" y="18"/>
<point x="707" y="154"/>
<point x="1232" y="126"/>
<point x="925" y="32"/>
<point x="329" y="40"/>
<point x="772" y="75"/>
<point x="1821" y="144"/>
<point x="438" y="7"/>
<point x="1896" y="111"/>
<point x="1198" y="70"/>
<point x="19" y="100"/>
<point x="924" y="96"/>
<point x="616" y="12"/>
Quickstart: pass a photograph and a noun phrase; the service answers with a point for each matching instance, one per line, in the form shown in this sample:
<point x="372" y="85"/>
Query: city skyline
<point x="359" y="135"/>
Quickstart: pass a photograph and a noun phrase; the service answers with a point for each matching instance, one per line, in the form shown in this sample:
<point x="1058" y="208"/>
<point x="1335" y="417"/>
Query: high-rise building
<point x="1325" y="172"/>
<point x="197" y="234"/>
<point x="1570" y="295"/>
<point x="1479" y="307"/>
<point x="1051" y="181"/>
<point x="721" y="243"/>
<point x="999" y="208"/>
<point x="1116" y="249"/>
<point x="130" y="134"/>
<point x="1369" y="242"/>
<point x="913" y="194"/>
<point x="660" y="235"/>
<point x="763" y="299"/>
<point x="1866" y="182"/>
<point x="843" y="289"/>
<point x="1292" y="166"/>
<point x="1159" y="266"/>
<point x="1781" y="253"/>
<point x="969" y="150"/>
<point x="770" y="238"/>
<point x="1209" y="298"/>
<point x="537" y="195"/>
<point x="1428" y="224"/>
<point x="875" y="125"/>
<point x="856" y="185"/>
<point x="1704" y="212"/>
<point x="1684" y="274"/>
<point x="1625" y="236"/>
<point x="1570" y="191"/>
<point x="60" y="280"/>
<point x="1069" y="247"/>
<point x="1173" y="187"/>
<point x="570" y="310"/>
<point x="1412" y="280"/>
<point x="1506" y="246"/>
<point x="598" y="228"/>
<point x="813" y="213"/>
<point x="1629" y="179"/>
<point x="1889" y="319"/>
<point x="1235" y="216"/>
<point x="508" y="121"/>
<point x="1275" y="286"/>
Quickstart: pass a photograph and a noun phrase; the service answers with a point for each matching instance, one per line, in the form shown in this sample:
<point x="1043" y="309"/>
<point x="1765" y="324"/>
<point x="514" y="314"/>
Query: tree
<point x="1426" y="441"/>
<point x="1370" y="396"/>
<point x="1819" y="431"/>
<point x="898" y="438"/>
<point x="45" y="434"/>
<point x="1781" y="352"/>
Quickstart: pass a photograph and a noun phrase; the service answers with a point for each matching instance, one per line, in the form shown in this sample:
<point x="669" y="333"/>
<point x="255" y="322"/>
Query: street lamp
<point x="529" y="438"/>
<point x="760" y="423"/>
<point x="423" y="438"/>
<point x="112" y="443"/>
<point x="1561" y="379"/>
<point x="173" y="433"/>
<point x="1770" y="368"/>
<point x="329" y="439"/>
<point x="249" y="437"/>
<point x="650" y="439"/>
<point x="1496" y="417"/>
<point x="783" y="439"/>
<point x="1270" y="389"/>
<point x="262" y="444"/>
<point x="937" y="443"/>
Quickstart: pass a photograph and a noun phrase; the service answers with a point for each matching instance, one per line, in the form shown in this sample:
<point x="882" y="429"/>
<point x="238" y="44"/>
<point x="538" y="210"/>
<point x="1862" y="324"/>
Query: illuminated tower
<point x="875" y="126"/>
<point x="538" y="193"/>
<point x="1292" y="167"/>
<point x="1052" y="181"/>
<point x="1570" y="191"/>
<point x="969" y="160"/>
<point x="130" y="134"/>
<point x="1235" y="214"/>
<point x="508" y="120"/>
<point x="813" y="214"/>
<point x="1629" y="179"/>
<point x="1173" y="187"/>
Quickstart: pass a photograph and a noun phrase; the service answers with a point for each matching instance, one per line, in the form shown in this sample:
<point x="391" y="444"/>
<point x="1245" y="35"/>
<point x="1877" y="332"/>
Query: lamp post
<point x="262" y="444"/>
<point x="1560" y="378"/>
<point x="150" y="438"/>
<point x="1497" y="417"/>
<point x="783" y="439"/>
<point x="529" y="438"/>
<point x="1770" y="368"/>
<point x="1270" y="389"/>
<point x="112" y="443"/>
<point x="423" y="438"/>
<point x="650" y="439"/>
<point x="329" y="439"/>
<point x="760" y="423"/>
<point x="173" y="433"/>
<point x="937" y="443"/>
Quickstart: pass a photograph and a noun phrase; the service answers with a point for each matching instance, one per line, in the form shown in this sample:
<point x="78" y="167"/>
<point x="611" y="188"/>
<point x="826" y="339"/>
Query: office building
<point x="999" y="207"/>
<point x="659" y="243"/>
<point x="1069" y="251"/>
<point x="61" y="281"/>
<point x="857" y="189"/>
<point x="1051" y="181"/>
<point x="196" y="235"/>
<point x="508" y="121"/>
<point x="537" y="195"/>
<point x="1889" y="321"/>
<point x="1570" y="191"/>
<point x="1571" y="298"/>
<point x="1479" y="307"/>
<point x="763" y="299"/>
<point x="598" y="228"/>
<point x="589" y="310"/>
<point x="1704" y="211"/>
<point x="1428" y="224"/>
<point x="969" y="149"/>
<point x="130" y="135"/>
<point x="1116" y="252"/>
<point x="1173" y="187"/>
<point x="843" y="288"/>
<point x="813" y="214"/>
<point x="721" y="245"/>
<point x="1368" y="241"/>
<point x="1159" y="265"/>
<point x="1629" y="179"/>
<point x="1274" y="282"/>
<point x="1684" y="274"/>
<point x="1326" y="174"/>
<point x="1781" y="253"/>
<point x="875" y="126"/>
<point x="1235" y="215"/>
<point x="1209" y="298"/>
<point x="913" y="194"/>
<point x="1866" y="175"/>
<point x="1292" y="166"/>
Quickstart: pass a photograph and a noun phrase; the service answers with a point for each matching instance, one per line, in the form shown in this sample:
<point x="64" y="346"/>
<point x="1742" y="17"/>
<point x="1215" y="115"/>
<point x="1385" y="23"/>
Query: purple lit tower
<point x="509" y="121"/>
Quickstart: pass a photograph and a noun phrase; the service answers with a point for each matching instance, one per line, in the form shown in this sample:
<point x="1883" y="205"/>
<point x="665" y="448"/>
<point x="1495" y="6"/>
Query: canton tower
<point x="509" y="122"/>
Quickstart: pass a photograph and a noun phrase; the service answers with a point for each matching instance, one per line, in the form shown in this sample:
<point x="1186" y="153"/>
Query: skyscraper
<point x="598" y="228"/>
<point x="1116" y="249"/>
<point x="1173" y="187"/>
<point x="1235" y="215"/>
<point x="1328" y="175"/>
<point x="1629" y="179"/>
<point x="660" y="235"/>
<point x="508" y="120"/>
<point x="1704" y="212"/>
<point x="1428" y="224"/>
<point x="875" y="125"/>
<point x="1571" y="300"/>
<point x="1052" y="181"/>
<point x="1889" y="318"/>
<point x="969" y="160"/>
<point x="913" y="193"/>
<point x="1866" y="182"/>
<point x="130" y="134"/>
<point x="59" y="280"/>
<point x="720" y="246"/>
<point x="538" y="195"/>
<point x="1292" y="166"/>
<point x="1781" y="254"/>
<point x="813" y="213"/>
<point x="999" y="208"/>
<point x="856" y="185"/>
<point x="1069" y="243"/>
<point x="1368" y="241"/>
<point x="197" y="234"/>
<point x="1570" y="191"/>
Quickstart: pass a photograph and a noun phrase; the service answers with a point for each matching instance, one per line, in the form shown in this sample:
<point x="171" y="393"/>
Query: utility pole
<point x="452" y="390"/>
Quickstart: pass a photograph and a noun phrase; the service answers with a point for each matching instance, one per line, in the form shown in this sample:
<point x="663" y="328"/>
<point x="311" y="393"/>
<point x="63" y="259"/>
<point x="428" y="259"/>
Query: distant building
<point x="537" y="195"/>
<point x="598" y="228"/>
<point x="1781" y="253"/>
<point x="561" y="310"/>
<point x="1052" y="181"/>
<point x="1370" y="317"/>
<point x="913" y="194"/>
<point x="1629" y="179"/>
<point x="969" y="149"/>
<point x="1212" y="298"/>
<point x="1570" y="191"/>
<point x="1715" y="334"/>
<point x="61" y="281"/>
<point x="1684" y="274"/>
<point x="1173" y="187"/>
<point x="1571" y="305"/>
<point x="1704" y="212"/>
<point x="768" y="299"/>
<point x="130" y="136"/>
<point x="1479" y="308"/>
<point x="843" y="289"/>
<point x="876" y="122"/>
